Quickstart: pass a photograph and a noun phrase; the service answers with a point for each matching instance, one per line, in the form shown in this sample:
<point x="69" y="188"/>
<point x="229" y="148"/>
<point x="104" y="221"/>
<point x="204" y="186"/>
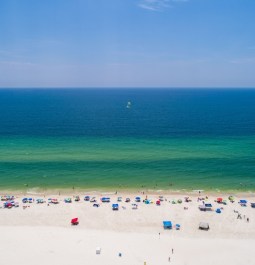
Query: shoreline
<point x="98" y="192"/>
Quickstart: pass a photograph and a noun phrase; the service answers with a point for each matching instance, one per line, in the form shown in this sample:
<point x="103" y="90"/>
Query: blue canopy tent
<point x="137" y="199"/>
<point x="115" y="207"/>
<point x="105" y="199"/>
<point x="86" y="198"/>
<point x="25" y="200"/>
<point x="218" y="210"/>
<point x="243" y="202"/>
<point x="167" y="224"/>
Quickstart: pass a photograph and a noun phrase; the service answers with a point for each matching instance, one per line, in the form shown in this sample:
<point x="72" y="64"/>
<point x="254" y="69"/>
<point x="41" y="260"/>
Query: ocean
<point x="165" y="139"/>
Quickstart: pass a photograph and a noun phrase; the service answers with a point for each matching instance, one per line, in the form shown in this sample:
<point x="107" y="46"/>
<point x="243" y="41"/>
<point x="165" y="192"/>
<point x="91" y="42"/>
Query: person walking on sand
<point x="159" y="235"/>
<point x="169" y="259"/>
<point x="172" y="251"/>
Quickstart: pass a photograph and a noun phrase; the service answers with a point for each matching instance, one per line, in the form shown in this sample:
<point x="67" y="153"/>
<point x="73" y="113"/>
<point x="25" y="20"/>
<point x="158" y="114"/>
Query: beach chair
<point x="74" y="221"/>
<point x="161" y="198"/>
<point x="77" y="198"/>
<point x="134" y="206"/>
<point x="93" y="199"/>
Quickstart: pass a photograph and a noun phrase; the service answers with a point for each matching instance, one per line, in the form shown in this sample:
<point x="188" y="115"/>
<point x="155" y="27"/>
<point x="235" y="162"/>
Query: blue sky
<point x="127" y="43"/>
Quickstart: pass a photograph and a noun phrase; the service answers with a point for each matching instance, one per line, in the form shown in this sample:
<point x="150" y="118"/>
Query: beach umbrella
<point x="75" y="221"/>
<point x="219" y="200"/>
<point x="231" y="198"/>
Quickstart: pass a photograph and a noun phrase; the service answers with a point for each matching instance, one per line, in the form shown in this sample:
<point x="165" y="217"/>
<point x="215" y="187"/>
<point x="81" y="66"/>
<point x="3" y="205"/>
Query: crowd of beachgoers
<point x="204" y="203"/>
<point x="128" y="228"/>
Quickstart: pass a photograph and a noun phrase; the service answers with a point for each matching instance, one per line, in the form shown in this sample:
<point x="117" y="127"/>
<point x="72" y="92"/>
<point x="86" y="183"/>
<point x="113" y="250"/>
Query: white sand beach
<point x="42" y="234"/>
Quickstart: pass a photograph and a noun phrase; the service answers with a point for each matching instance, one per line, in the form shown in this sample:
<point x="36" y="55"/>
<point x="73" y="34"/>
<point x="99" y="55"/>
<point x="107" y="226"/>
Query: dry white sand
<point x="42" y="234"/>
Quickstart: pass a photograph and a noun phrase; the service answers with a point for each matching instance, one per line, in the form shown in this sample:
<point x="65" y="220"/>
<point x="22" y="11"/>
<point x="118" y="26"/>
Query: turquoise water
<point x="89" y="139"/>
<point x="124" y="163"/>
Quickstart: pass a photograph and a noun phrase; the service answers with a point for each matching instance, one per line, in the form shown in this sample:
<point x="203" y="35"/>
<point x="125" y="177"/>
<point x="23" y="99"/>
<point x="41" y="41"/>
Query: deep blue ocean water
<point x="88" y="138"/>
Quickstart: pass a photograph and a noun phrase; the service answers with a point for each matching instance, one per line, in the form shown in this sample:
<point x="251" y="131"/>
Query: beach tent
<point x="127" y="200"/>
<point x="8" y="205"/>
<point x="219" y="200"/>
<point x="54" y="201"/>
<point x="205" y="207"/>
<point x="179" y="201"/>
<point x="105" y="199"/>
<point x="119" y="199"/>
<point x="7" y="198"/>
<point x="75" y="221"/>
<point x="40" y="201"/>
<point x="98" y="250"/>
<point x="68" y="200"/>
<point x="115" y="207"/>
<point x="86" y="198"/>
<point x="208" y="206"/>
<point x="224" y="202"/>
<point x="204" y="226"/>
<point x="137" y="199"/>
<point x="158" y="202"/>
<point x="252" y="204"/>
<point x="177" y="227"/>
<point x="77" y="198"/>
<point x="218" y="210"/>
<point x="25" y="200"/>
<point x="243" y="202"/>
<point x="167" y="224"/>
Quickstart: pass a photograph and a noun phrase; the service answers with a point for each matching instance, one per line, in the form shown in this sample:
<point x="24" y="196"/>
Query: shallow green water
<point x="226" y="163"/>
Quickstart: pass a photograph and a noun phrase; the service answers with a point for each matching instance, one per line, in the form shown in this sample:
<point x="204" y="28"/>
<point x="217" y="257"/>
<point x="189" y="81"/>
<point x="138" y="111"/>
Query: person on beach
<point x="248" y="220"/>
<point x="172" y="251"/>
<point x="169" y="259"/>
<point x="159" y="235"/>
